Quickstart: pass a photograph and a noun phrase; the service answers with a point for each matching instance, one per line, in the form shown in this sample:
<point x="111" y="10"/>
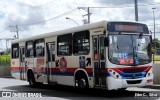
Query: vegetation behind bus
<point x="5" y="58"/>
<point x="156" y="46"/>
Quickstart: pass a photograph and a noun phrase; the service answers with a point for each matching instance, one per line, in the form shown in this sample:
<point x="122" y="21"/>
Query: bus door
<point x="51" y="61"/>
<point x="22" y="63"/>
<point x="99" y="61"/>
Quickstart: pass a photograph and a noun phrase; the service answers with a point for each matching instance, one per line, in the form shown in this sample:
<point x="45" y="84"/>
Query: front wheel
<point x="82" y="83"/>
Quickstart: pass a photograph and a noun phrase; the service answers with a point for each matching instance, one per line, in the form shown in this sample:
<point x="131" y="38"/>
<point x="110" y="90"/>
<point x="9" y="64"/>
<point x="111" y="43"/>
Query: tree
<point x="155" y="45"/>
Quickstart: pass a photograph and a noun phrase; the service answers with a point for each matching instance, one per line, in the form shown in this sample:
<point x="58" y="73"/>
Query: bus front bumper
<point x="115" y="84"/>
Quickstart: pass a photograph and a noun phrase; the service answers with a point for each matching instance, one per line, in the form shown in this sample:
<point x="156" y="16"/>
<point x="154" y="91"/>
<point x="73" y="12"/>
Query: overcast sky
<point x="41" y="16"/>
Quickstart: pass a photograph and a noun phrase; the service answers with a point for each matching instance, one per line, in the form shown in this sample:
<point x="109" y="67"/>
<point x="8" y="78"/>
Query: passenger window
<point x="81" y="43"/>
<point x="15" y="50"/>
<point x="39" y="48"/>
<point x="29" y="49"/>
<point x="64" y="43"/>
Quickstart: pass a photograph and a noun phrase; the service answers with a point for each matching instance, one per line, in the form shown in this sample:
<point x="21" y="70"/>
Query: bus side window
<point x="81" y="43"/>
<point x="39" y="48"/>
<point x="102" y="52"/>
<point x="64" y="45"/>
<point x="15" y="50"/>
<point x="29" y="49"/>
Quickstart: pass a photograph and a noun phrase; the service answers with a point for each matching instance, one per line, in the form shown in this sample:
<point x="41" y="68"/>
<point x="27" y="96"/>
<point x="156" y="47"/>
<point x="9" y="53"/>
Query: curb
<point x="6" y="77"/>
<point x="154" y="86"/>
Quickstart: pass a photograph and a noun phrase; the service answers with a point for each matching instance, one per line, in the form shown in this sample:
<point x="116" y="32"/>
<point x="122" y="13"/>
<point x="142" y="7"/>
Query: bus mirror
<point x="140" y="36"/>
<point x="151" y="40"/>
<point x="106" y="41"/>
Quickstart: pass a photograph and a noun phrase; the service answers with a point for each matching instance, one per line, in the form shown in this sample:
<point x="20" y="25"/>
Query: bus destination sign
<point x="128" y="28"/>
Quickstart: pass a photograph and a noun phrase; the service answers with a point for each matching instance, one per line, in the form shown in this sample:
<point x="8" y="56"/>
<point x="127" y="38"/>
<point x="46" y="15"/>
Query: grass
<point x="157" y="57"/>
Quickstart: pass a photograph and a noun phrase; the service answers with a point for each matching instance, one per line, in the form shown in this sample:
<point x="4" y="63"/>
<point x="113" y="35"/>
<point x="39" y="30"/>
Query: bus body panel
<point x="63" y="69"/>
<point x="15" y="68"/>
<point x="40" y="69"/>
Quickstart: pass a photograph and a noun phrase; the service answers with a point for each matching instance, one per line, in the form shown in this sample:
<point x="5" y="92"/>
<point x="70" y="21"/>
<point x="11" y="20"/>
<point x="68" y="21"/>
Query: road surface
<point x="11" y="85"/>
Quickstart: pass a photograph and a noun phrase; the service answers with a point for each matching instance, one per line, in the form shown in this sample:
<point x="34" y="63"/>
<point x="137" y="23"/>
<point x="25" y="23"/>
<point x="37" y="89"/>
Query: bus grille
<point x="134" y="72"/>
<point x="134" y="69"/>
<point x="133" y="75"/>
<point x="134" y="81"/>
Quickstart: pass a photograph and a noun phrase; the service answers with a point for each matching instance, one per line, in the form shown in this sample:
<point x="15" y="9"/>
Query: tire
<point x="31" y="80"/>
<point x="83" y="83"/>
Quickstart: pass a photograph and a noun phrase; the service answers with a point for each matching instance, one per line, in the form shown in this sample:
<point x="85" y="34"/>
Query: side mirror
<point x="140" y="36"/>
<point x="106" y="41"/>
<point x="151" y="39"/>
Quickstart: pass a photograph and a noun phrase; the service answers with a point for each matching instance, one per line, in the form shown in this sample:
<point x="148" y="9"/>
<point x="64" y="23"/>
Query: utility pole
<point x="136" y="10"/>
<point x="88" y="15"/>
<point x="154" y="21"/>
<point x="88" y="12"/>
<point x="154" y="32"/>
<point x="16" y="30"/>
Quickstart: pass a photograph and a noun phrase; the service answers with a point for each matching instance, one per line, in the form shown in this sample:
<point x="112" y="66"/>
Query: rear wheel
<point x="31" y="80"/>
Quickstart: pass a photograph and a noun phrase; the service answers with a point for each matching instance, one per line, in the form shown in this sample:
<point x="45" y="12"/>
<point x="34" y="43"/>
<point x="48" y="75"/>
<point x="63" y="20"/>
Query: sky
<point x="35" y="17"/>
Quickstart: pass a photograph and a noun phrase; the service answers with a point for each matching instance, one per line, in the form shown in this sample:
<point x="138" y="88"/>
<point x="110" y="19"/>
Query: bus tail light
<point x="114" y="74"/>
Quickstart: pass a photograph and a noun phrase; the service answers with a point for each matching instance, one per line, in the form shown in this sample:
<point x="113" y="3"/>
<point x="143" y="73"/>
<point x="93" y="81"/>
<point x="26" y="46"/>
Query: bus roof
<point x="100" y="24"/>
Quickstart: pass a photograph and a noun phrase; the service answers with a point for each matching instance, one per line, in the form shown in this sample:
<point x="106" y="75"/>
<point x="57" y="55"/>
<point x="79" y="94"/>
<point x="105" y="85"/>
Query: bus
<point x="110" y="55"/>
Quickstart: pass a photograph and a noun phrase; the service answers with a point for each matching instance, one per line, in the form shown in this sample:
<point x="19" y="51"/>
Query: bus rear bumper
<point x="115" y="84"/>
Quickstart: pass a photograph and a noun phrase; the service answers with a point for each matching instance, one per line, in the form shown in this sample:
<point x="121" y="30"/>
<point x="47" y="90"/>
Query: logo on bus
<point x="62" y="64"/>
<point x="13" y="62"/>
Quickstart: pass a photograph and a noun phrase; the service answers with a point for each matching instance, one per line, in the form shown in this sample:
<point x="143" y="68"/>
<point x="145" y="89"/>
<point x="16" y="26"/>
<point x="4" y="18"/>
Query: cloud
<point x="1" y="15"/>
<point x="26" y="16"/>
<point x="120" y="2"/>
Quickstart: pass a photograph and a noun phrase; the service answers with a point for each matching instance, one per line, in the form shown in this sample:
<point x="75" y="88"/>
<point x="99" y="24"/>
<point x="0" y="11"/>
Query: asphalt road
<point x="71" y="93"/>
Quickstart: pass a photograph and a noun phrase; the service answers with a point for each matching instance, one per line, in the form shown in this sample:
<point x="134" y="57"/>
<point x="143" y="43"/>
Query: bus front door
<point x="51" y="62"/>
<point x="99" y="61"/>
<point x="22" y="63"/>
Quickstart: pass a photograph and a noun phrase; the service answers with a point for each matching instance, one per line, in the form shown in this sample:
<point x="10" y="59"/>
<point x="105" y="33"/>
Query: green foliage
<point x="4" y="60"/>
<point x="155" y="45"/>
<point x="154" y="50"/>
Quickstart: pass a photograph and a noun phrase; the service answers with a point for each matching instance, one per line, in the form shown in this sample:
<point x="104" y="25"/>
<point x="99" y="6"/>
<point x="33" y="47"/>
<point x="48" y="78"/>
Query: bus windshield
<point x="129" y="49"/>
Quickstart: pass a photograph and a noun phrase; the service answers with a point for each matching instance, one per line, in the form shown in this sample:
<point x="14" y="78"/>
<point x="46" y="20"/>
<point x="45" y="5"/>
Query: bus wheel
<point x="82" y="83"/>
<point x="31" y="80"/>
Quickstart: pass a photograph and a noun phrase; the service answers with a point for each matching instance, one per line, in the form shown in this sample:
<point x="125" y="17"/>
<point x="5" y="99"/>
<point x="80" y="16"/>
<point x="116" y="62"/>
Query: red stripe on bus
<point x="89" y="70"/>
<point x="18" y="68"/>
<point x="15" y="68"/>
<point x="71" y="69"/>
<point x="131" y="69"/>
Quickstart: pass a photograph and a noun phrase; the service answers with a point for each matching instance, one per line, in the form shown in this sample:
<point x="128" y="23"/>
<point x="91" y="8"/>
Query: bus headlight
<point x="114" y="74"/>
<point x="150" y="72"/>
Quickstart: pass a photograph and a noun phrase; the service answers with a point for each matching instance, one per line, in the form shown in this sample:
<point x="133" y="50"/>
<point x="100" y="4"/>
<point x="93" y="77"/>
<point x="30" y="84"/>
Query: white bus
<point x="110" y="55"/>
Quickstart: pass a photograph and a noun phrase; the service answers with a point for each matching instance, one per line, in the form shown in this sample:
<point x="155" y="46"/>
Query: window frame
<point x="38" y="41"/>
<point x="26" y="46"/>
<point x="83" y="42"/>
<point x="48" y="51"/>
<point x="16" y="45"/>
<point x="69" y="44"/>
